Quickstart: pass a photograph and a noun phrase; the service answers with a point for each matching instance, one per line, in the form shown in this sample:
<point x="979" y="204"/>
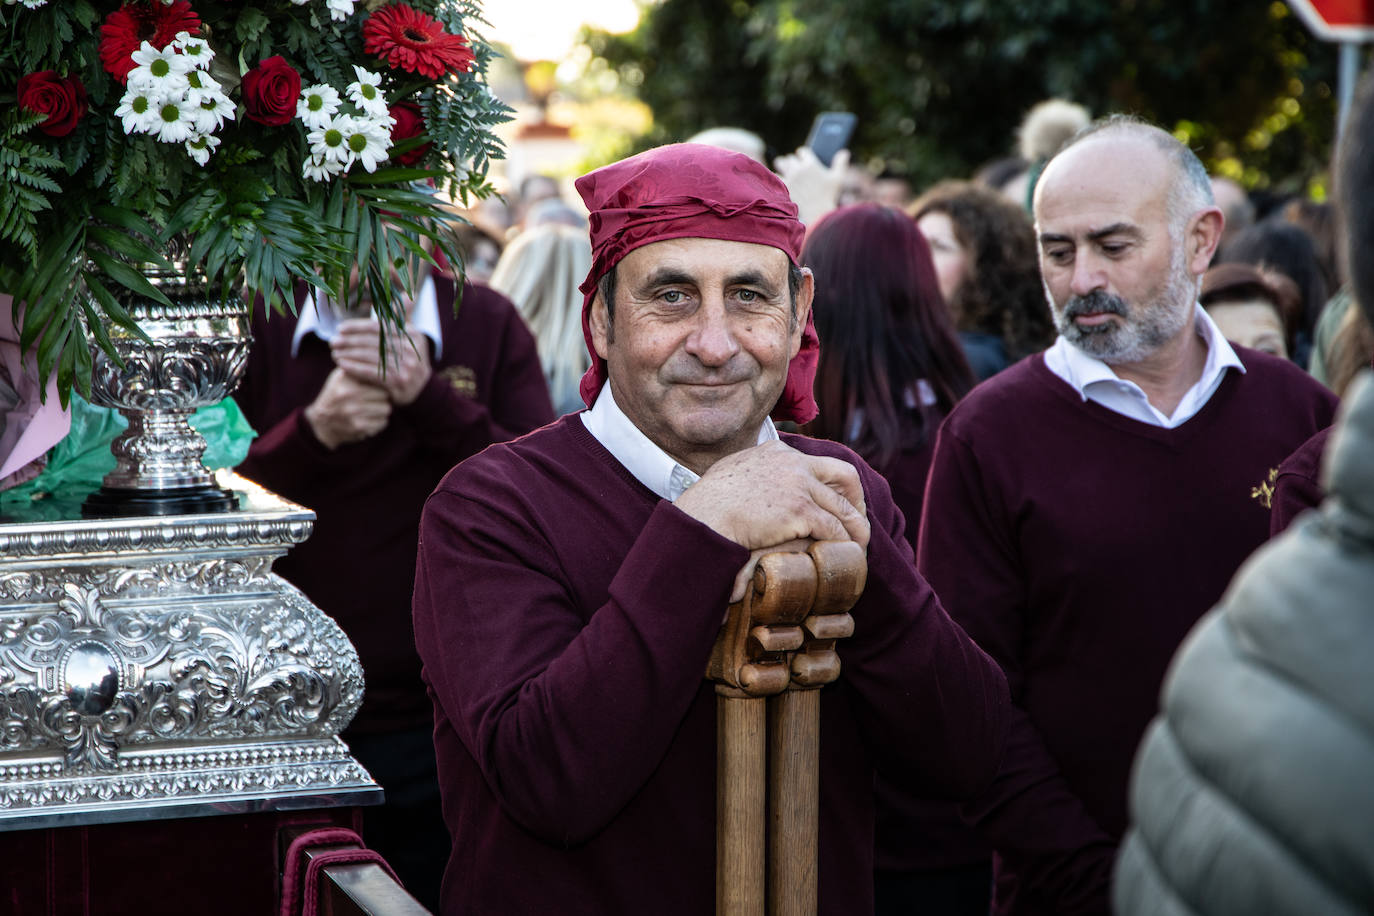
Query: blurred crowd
<point x="1093" y="379"/>
<point x="1089" y="382"/>
<point x="1277" y="282"/>
<point x="923" y="298"/>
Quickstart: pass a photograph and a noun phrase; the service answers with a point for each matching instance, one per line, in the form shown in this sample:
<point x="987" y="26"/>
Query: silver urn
<point x="194" y="356"/>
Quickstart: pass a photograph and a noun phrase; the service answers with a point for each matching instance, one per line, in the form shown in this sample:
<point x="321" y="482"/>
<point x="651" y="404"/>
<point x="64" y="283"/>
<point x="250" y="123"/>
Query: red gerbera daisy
<point x="125" y="30"/>
<point x="412" y="41"/>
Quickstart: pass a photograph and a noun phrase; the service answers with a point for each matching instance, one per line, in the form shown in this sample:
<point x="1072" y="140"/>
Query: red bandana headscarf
<point x="688" y="190"/>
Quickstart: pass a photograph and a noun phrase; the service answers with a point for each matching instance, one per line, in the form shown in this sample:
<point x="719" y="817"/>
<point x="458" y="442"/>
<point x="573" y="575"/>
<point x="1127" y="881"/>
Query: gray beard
<point x="1142" y="330"/>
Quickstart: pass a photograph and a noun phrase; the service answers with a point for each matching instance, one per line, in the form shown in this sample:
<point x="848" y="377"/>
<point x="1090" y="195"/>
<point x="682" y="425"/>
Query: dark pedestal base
<point x="209" y="866"/>
<point x="115" y="502"/>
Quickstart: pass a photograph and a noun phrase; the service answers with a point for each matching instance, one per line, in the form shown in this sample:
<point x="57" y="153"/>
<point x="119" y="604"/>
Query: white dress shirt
<point x="317" y="316"/>
<point x="1094" y="380"/>
<point x="649" y="464"/>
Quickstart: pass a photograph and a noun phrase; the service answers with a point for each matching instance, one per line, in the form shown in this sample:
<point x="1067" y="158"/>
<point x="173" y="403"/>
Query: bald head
<point x="1135" y="145"/>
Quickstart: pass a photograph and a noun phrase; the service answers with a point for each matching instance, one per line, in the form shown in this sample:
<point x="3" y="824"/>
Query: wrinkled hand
<point x="407" y="369"/>
<point x="772" y="493"/>
<point x="815" y="189"/>
<point x="347" y="410"/>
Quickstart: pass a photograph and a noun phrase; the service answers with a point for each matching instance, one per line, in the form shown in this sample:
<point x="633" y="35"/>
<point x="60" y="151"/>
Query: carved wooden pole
<point x="778" y="641"/>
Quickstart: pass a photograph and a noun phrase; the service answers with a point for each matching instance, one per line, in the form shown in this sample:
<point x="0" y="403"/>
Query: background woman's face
<point x="1251" y="323"/>
<point x="951" y="258"/>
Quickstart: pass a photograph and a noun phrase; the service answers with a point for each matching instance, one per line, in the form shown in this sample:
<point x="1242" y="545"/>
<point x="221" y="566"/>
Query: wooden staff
<point x="778" y="641"/>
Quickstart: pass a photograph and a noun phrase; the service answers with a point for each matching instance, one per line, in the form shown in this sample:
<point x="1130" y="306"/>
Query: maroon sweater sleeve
<point x="1296" y="487"/>
<point x="518" y="397"/>
<point x="566" y="716"/>
<point x="935" y="704"/>
<point x="1031" y="815"/>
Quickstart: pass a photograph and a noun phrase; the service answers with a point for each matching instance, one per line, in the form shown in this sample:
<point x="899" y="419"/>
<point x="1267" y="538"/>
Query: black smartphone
<point x="830" y="133"/>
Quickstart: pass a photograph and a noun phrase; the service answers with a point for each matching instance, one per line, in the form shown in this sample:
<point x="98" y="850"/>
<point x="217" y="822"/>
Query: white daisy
<point x="366" y="93"/>
<point x="138" y="111"/>
<point x="176" y="121"/>
<point x="339" y="10"/>
<point x="317" y="105"/>
<point x="321" y="169"/>
<point x="162" y="63"/>
<point x="196" y="50"/>
<point x="199" y="84"/>
<point x="367" y="143"/>
<point x="172" y="83"/>
<point x="328" y="140"/>
<point x="211" y="111"/>
<point x="200" y="146"/>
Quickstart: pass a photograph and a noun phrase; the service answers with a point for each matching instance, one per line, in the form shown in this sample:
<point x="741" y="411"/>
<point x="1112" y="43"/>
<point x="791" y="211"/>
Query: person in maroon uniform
<point x="363" y="449"/>
<point x="1086" y="506"/>
<point x="571" y="583"/>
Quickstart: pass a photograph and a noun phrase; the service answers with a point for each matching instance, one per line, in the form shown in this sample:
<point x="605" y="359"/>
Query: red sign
<point x="1337" y="20"/>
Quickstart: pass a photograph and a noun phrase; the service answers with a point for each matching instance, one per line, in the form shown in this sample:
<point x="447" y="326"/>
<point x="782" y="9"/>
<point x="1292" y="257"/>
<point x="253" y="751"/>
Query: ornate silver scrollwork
<point x="183" y="672"/>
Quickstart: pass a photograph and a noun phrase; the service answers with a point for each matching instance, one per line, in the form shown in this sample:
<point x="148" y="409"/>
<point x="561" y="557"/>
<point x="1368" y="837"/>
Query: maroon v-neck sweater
<point x="359" y="563"/>
<point x="1077" y="547"/>
<point x="565" y="613"/>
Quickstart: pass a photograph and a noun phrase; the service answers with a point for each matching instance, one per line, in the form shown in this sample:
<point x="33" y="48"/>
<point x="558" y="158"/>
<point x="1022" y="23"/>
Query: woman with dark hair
<point x="890" y="369"/>
<point x="984" y="250"/>
<point x="1288" y="249"/>
<point x="890" y="364"/>
<point x="1253" y="307"/>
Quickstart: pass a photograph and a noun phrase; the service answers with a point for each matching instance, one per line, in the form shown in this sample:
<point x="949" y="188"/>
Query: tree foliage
<point x="940" y="86"/>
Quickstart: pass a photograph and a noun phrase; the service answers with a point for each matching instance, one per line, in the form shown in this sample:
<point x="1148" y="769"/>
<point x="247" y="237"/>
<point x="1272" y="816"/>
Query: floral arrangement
<point x="263" y="142"/>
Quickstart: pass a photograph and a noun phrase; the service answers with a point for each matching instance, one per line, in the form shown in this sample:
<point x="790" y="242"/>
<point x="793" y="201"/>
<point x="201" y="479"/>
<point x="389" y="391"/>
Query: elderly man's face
<point x="698" y="350"/>
<point x="1119" y="285"/>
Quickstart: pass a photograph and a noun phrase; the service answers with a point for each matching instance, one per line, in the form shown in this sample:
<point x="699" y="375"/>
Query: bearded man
<point x="571" y="582"/>
<point x="1088" y="505"/>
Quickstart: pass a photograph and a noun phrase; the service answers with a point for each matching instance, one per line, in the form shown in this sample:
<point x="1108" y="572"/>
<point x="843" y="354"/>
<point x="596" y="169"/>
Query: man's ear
<point x="1202" y="237"/>
<point x="602" y="332"/>
<point x="806" y="292"/>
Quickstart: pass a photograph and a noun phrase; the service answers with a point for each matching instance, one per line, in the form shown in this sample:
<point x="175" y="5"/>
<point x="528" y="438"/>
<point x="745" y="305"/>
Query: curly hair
<point x="1001" y="293"/>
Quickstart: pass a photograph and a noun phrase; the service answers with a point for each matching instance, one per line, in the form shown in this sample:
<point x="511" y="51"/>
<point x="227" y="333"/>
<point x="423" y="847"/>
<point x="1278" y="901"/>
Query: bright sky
<point x="545" y="29"/>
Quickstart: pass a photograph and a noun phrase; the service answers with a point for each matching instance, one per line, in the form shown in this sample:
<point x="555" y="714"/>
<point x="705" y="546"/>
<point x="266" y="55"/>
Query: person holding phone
<point x="817" y="173"/>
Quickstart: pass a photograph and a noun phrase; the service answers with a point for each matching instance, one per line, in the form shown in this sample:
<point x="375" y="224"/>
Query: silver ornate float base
<point x="193" y="357"/>
<point x="156" y="667"/>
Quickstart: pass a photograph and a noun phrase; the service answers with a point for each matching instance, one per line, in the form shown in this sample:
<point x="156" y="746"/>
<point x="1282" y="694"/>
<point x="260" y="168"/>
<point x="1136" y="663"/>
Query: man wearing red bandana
<point x="571" y="583"/>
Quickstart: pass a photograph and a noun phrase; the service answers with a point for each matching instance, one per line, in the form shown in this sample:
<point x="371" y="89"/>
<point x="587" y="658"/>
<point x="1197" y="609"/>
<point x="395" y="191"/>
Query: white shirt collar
<point x="649" y="464"/>
<point x="317" y="316"/>
<point x="1094" y="380"/>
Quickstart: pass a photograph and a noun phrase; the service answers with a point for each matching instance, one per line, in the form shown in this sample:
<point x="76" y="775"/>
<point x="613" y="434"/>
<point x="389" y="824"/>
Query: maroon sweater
<point x="565" y="614"/>
<point x="1297" y="485"/>
<point x="913" y="834"/>
<point x="1078" y="547"/>
<point x="359" y="564"/>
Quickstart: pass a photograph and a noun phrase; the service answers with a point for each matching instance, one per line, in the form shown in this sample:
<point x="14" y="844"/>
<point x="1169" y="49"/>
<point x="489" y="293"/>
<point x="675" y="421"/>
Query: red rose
<point x="271" y="90"/>
<point x="409" y="123"/>
<point x="62" y="99"/>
